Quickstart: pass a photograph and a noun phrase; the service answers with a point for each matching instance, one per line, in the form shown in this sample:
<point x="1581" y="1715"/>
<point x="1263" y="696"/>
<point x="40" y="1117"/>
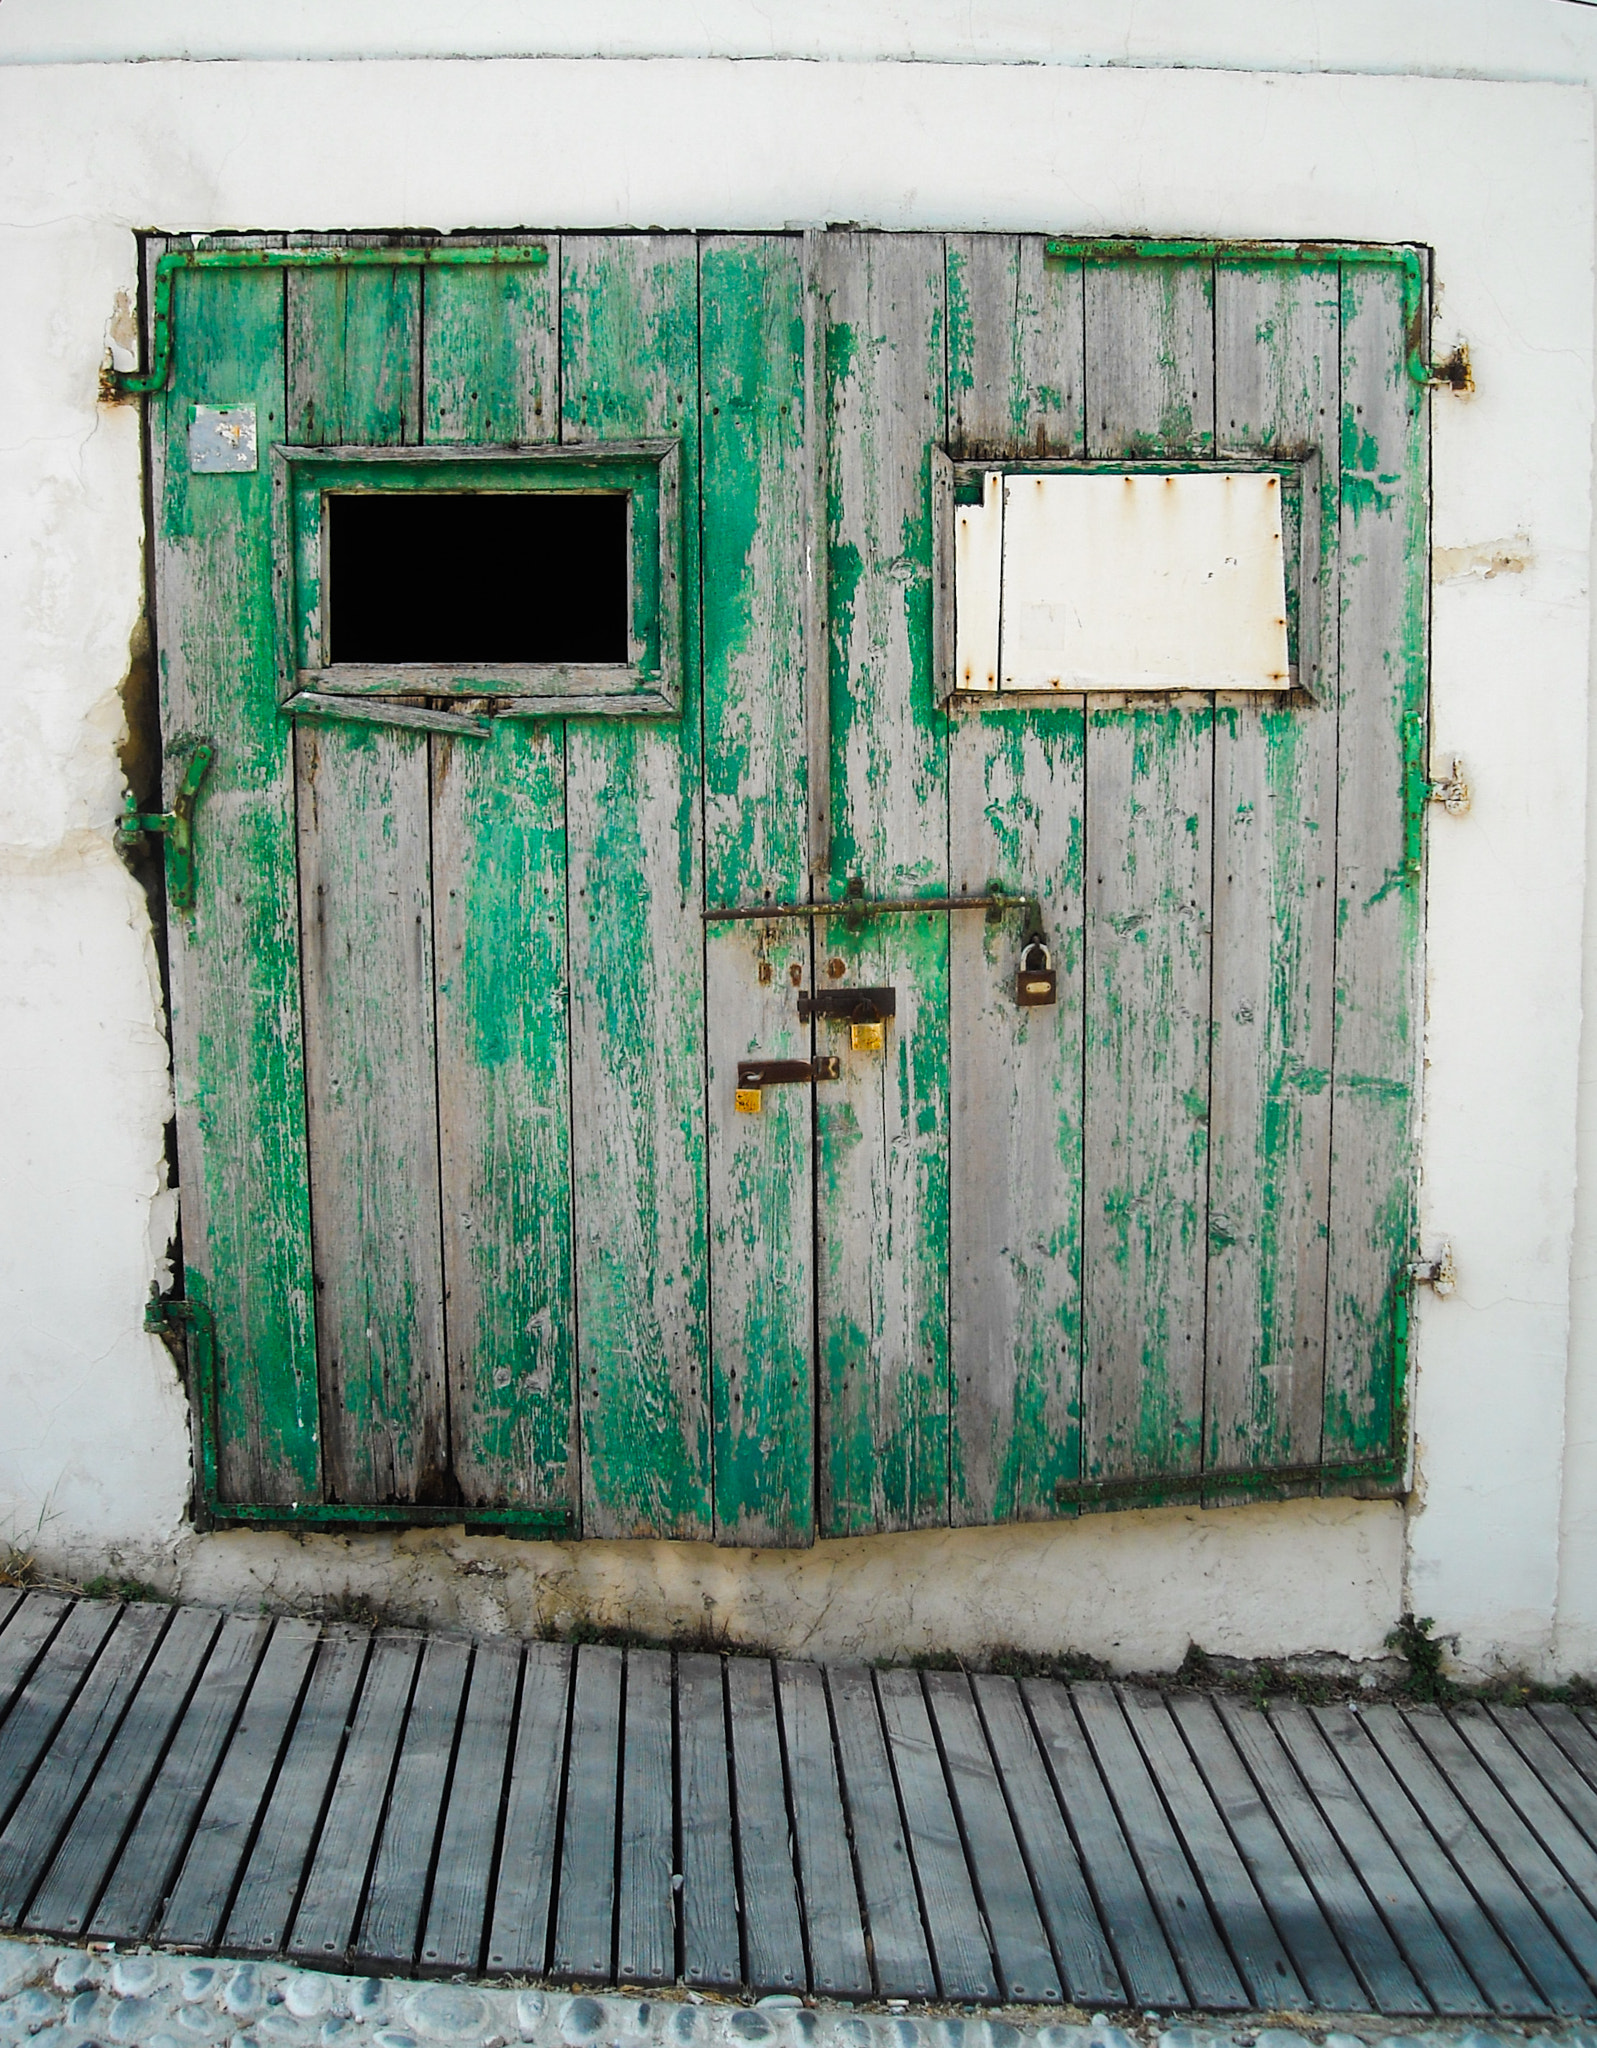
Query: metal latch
<point x="1452" y="792"/>
<point x="864" y="1010"/>
<point x="1439" y="1274"/>
<point x="753" y="1075"/>
<point x="176" y="826"/>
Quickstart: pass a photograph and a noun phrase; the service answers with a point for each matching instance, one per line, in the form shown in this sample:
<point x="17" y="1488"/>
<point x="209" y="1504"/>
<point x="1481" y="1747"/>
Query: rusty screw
<point x="837" y="969"/>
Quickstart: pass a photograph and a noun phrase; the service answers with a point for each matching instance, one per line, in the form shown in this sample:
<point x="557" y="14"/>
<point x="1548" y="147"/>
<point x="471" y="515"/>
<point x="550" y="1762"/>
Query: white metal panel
<point x="1143" y="582"/>
<point x="978" y="568"/>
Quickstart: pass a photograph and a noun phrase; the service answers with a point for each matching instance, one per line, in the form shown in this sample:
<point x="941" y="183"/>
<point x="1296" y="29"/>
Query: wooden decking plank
<point x="1026" y="1967"/>
<point x="34" y="1619"/>
<point x="391" y="1920"/>
<point x="710" y="1949"/>
<point x="9" y="1597"/>
<point x="1430" y="1954"/>
<point x="458" y="1908"/>
<point x="1293" y="1907"/>
<point x="1125" y="1911"/>
<point x="1086" y="1961"/>
<point x="1509" y="1835"/>
<point x="265" y="1901"/>
<point x="1572" y="1735"/>
<point x="1233" y="1897"/>
<point x="839" y="1966"/>
<point x="45" y="1699"/>
<point x="1211" y="1977"/>
<point x="198" y="1902"/>
<point x="948" y="1899"/>
<point x="1552" y="1765"/>
<point x="901" y="1959"/>
<point x="67" y="1893"/>
<point x="586" y="1908"/>
<point x="646" y="1906"/>
<point x="1365" y="1940"/>
<point x="43" y="1813"/>
<point x="324" y="1922"/>
<point x="1515" y="1918"/>
<point x="773" y="1936"/>
<point x="524" y="1886"/>
<point x="144" y="1869"/>
<point x="1559" y="1834"/>
<point x="1407" y="1822"/>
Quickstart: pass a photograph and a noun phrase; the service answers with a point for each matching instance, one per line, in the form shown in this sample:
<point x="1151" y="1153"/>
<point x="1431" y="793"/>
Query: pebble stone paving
<point x="74" y="1998"/>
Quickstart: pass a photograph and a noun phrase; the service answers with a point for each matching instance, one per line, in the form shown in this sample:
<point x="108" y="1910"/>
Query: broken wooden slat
<point x="646" y="1905"/>
<point x="838" y="1964"/>
<point x="458" y="1903"/>
<point x="710" y="1947"/>
<point x="773" y="1939"/>
<point x="524" y="1885"/>
<point x="900" y="1957"/>
<point x="585" y="1914"/>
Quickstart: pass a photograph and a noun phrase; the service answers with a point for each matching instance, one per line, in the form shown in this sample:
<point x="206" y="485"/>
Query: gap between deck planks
<point x="599" y="1815"/>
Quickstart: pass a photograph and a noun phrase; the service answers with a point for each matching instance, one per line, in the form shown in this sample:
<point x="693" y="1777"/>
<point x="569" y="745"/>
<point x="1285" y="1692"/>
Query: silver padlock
<point x="1036" y="983"/>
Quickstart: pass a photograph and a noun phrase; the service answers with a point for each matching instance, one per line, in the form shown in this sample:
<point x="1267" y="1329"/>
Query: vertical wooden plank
<point x="371" y="1085"/>
<point x="899" y="1954"/>
<point x="391" y="1919"/>
<point x="882" y="1133"/>
<point x="585" y="1915"/>
<point x="199" y="1900"/>
<point x="773" y="1938"/>
<point x="1383" y="519"/>
<point x="710" y="1948"/>
<point x="524" y="1885"/>
<point x="756" y="846"/>
<point x="646" y="1907"/>
<point x="490" y="374"/>
<point x="1150" y="771"/>
<point x="458" y="1906"/>
<point x="1016" y="801"/>
<point x="629" y="366"/>
<point x="1276" y="377"/>
<point x="838" y="1964"/>
<point x="504" y="1112"/>
<point x="235" y="970"/>
<point x="354" y="361"/>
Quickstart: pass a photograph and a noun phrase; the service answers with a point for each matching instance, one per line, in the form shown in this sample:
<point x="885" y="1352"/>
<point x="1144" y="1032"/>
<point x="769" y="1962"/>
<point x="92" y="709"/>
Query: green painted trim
<point x="136" y="383"/>
<point x="1400" y="256"/>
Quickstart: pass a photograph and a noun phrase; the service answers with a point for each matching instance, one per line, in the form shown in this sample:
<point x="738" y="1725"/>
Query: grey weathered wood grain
<point x="1430" y="1955"/>
<point x="1359" y="1927"/>
<point x="954" y="1926"/>
<point x="817" y="573"/>
<point x="34" y="1620"/>
<point x="490" y="368"/>
<point x="1292" y="1905"/>
<point x="773" y="1937"/>
<point x="518" y="1940"/>
<point x="1572" y="1735"/>
<point x="1511" y="1911"/>
<point x="838" y="1964"/>
<point x="1025" y="1963"/>
<point x="10" y="1596"/>
<point x="585" y="1914"/>
<point x="1086" y="1961"/>
<point x="149" y="1858"/>
<point x="1406" y="1826"/>
<point x="1016" y="798"/>
<point x="77" y="1741"/>
<point x="199" y="1899"/>
<point x="900" y="1959"/>
<point x="69" y="1888"/>
<point x="629" y="366"/>
<point x="1277" y="390"/>
<point x="1553" y="1766"/>
<point x="1172" y="1883"/>
<point x="391" y="1919"/>
<point x="710" y="1948"/>
<point x="1242" y="1915"/>
<point x="367" y="935"/>
<point x="882" y="1228"/>
<point x="354" y="349"/>
<point x="325" y="1919"/>
<point x="646" y="1903"/>
<point x="1567" y="1838"/>
<point x="1383" y="521"/>
<point x="1559" y="1902"/>
<point x="458" y="1903"/>
<point x="1149" y="774"/>
<point x="1147" y="1967"/>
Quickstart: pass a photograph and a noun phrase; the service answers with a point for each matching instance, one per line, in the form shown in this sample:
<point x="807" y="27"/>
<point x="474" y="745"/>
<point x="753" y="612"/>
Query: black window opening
<point x="491" y="576"/>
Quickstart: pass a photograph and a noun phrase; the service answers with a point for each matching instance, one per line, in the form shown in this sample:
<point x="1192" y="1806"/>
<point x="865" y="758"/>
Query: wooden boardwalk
<point x="398" y="1802"/>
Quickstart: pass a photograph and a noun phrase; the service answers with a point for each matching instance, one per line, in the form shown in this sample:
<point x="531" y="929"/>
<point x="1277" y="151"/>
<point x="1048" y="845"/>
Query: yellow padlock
<point x="748" y="1101"/>
<point x="868" y="1037"/>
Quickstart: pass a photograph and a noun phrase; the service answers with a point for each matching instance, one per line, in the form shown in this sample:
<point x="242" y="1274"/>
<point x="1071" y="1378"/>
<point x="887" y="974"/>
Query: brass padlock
<point x="747" y="1101"/>
<point x="1036" y="983"/>
<point x="868" y="1037"/>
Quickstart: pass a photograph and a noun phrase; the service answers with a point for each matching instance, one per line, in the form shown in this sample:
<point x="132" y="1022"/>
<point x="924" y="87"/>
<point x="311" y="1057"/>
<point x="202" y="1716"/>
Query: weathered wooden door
<point x="459" y="1008"/>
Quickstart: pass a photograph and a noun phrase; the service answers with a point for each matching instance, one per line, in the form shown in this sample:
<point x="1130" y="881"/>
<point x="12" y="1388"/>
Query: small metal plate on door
<point x="222" y="439"/>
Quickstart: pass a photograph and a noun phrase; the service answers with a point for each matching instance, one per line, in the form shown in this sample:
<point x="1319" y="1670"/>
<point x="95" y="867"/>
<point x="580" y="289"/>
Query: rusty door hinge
<point x="176" y="826"/>
<point x="1439" y="1274"/>
<point x="1452" y="792"/>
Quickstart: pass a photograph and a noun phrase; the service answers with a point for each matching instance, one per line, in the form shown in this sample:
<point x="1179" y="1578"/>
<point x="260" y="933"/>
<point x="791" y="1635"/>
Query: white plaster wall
<point x="1499" y="177"/>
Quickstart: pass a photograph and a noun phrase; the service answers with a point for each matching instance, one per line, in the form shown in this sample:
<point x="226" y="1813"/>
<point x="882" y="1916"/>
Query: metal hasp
<point x="773" y="1073"/>
<point x="175" y="826"/>
<point x="850" y="1005"/>
<point x="856" y="906"/>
